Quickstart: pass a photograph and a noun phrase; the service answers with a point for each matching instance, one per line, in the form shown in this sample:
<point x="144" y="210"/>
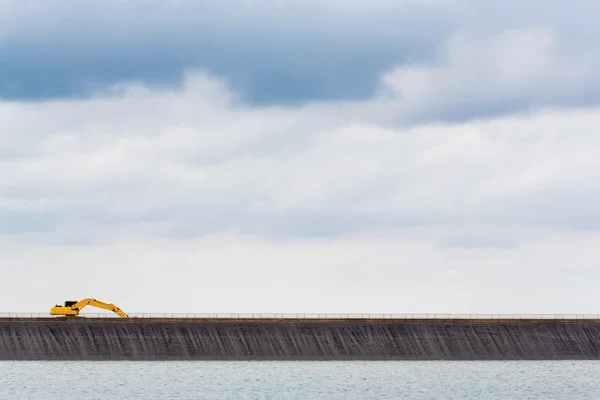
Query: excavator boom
<point x="73" y="307"/>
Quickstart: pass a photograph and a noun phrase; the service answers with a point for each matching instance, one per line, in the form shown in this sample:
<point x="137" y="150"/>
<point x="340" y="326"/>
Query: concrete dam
<point x="163" y="339"/>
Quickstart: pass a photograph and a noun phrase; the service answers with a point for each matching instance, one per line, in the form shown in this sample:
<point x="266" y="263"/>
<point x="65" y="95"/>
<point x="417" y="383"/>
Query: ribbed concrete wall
<point x="340" y="340"/>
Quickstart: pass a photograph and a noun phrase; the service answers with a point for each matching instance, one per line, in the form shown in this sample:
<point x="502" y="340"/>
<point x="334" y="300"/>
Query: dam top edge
<point x="302" y="321"/>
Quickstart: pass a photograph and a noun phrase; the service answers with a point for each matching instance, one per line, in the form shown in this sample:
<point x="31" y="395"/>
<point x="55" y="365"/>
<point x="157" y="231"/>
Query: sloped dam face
<point x="298" y="340"/>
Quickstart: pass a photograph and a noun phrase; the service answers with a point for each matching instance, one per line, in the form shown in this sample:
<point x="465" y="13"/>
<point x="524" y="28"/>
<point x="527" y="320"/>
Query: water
<point x="513" y="380"/>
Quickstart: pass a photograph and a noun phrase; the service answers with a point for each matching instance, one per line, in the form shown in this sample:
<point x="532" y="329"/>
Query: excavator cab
<point x="69" y="303"/>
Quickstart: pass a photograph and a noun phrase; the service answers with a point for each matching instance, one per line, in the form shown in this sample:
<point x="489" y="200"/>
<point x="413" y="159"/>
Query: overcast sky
<point x="430" y="156"/>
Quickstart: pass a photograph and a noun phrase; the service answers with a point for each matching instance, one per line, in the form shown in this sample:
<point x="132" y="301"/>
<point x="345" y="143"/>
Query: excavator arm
<point x="95" y="303"/>
<point x="72" y="307"/>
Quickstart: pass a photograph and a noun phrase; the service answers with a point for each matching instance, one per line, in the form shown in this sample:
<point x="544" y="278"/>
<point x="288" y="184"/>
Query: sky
<point x="331" y="156"/>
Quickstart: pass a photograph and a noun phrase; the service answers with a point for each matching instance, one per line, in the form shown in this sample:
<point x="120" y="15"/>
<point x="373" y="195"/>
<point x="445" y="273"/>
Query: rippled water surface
<point x="299" y="380"/>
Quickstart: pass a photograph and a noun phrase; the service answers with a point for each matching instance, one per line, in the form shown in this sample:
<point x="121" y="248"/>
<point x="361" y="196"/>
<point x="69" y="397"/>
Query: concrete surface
<point x="88" y="339"/>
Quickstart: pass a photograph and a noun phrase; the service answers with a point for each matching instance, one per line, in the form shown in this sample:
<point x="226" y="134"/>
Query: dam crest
<point x="32" y="336"/>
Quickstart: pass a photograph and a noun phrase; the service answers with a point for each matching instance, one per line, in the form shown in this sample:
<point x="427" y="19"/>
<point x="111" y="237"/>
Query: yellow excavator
<point x="72" y="308"/>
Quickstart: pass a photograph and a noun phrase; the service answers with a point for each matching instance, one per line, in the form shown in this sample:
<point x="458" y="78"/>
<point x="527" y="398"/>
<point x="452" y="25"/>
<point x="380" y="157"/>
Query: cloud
<point x="508" y="72"/>
<point x="463" y="183"/>
<point x="491" y="60"/>
<point x="271" y="51"/>
<point x="142" y="195"/>
<point x="194" y="161"/>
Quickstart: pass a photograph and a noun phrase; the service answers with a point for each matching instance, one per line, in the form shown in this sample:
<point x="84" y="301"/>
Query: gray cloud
<point x="271" y="52"/>
<point x="514" y="71"/>
<point x="193" y="162"/>
<point x="284" y="52"/>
